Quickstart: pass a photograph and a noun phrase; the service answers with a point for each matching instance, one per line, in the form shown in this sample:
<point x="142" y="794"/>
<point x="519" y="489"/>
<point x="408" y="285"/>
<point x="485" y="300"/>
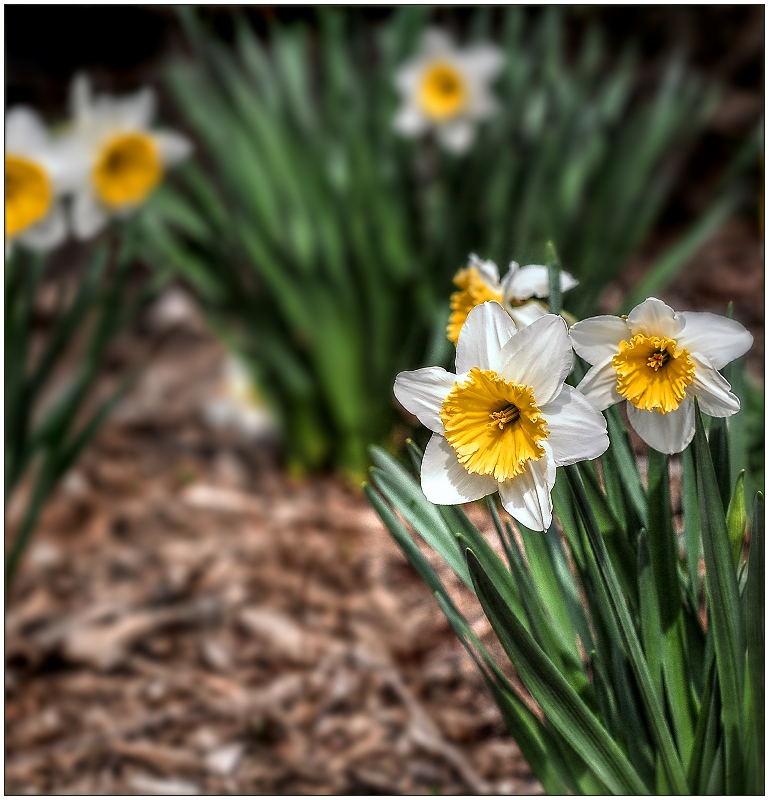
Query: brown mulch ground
<point x="189" y="621"/>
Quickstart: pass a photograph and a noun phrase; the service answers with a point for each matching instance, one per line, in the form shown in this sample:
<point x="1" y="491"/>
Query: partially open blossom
<point x="479" y="282"/>
<point x="37" y="173"/>
<point x="506" y="419"/>
<point x="659" y="360"/>
<point x="446" y="89"/>
<point x="123" y="159"/>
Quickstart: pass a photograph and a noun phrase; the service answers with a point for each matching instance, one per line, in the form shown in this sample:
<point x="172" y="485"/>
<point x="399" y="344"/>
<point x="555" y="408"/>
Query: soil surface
<point x="188" y="620"/>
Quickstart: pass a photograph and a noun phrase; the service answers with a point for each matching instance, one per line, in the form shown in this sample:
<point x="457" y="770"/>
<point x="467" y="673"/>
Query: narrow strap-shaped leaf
<point x="724" y="613"/>
<point x="754" y="596"/>
<point x="559" y="702"/>
<point x="652" y="702"/>
<point x="692" y="526"/>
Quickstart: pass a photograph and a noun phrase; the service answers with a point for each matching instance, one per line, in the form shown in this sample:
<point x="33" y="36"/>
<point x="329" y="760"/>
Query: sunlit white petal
<point x="173" y="147"/>
<point x="457" y="135"/>
<point x="410" y="121"/>
<point x="597" y="338"/>
<point x="487" y="330"/>
<point x="422" y="392"/>
<point x="88" y="214"/>
<point x="577" y="429"/>
<point x="527" y="313"/>
<point x="654" y="318"/>
<point x="488" y="269"/>
<point x="721" y="339"/>
<point x="600" y="385"/>
<point x="48" y="233"/>
<point x="667" y="433"/>
<point x="527" y="497"/>
<point x="445" y="481"/>
<point x="712" y="389"/>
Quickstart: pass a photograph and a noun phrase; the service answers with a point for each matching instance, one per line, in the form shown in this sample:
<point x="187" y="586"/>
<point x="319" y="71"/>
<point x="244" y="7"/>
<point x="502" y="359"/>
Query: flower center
<point x="442" y="93"/>
<point x="127" y="169"/>
<point x="473" y="291"/>
<point x="494" y="426"/>
<point x="652" y="373"/>
<point x="28" y="194"/>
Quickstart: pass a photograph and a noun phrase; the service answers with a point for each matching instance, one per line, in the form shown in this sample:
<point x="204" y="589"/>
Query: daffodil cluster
<point x="106" y="162"/>
<point x="507" y="419"/>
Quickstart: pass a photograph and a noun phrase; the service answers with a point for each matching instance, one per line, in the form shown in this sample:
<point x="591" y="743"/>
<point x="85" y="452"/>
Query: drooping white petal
<point x="529" y="312"/>
<point x="532" y="281"/>
<point x="487" y="330"/>
<point x="712" y="389"/>
<point x="25" y="132"/>
<point x="48" y="233"/>
<point x="527" y="496"/>
<point x="136" y="111"/>
<point x="539" y="356"/>
<point x="488" y="269"/>
<point x="88" y="215"/>
<point x="457" y="135"/>
<point x="410" y="121"/>
<point x="577" y="429"/>
<point x="422" y="392"/>
<point x="719" y="339"/>
<point x="668" y="433"/>
<point x="596" y="338"/>
<point x="600" y="385"/>
<point x="445" y="481"/>
<point x="654" y="318"/>
<point x="172" y="147"/>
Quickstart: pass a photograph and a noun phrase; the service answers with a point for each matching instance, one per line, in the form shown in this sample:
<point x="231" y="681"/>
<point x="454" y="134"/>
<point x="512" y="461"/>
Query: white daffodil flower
<point x="479" y="282"/>
<point x="447" y="89"/>
<point x="123" y="159"/>
<point x="659" y="360"/>
<point x="37" y="173"/>
<point x="506" y="420"/>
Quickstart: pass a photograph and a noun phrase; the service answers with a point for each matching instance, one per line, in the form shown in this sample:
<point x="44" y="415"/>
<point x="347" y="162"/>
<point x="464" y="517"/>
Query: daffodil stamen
<point x="494" y="426"/>
<point x="442" y="92"/>
<point x="127" y="169"/>
<point x="652" y="373"/>
<point x="28" y="194"/>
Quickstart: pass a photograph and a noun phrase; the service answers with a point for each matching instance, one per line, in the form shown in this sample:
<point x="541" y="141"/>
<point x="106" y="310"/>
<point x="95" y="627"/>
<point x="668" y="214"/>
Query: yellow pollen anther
<point x="473" y="290"/>
<point x="127" y="169"/>
<point x="494" y="426"/>
<point x="28" y="194"/>
<point x="442" y="93"/>
<point x="652" y="373"/>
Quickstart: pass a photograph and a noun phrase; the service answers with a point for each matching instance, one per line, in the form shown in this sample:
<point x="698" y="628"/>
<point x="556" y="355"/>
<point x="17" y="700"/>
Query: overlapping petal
<point x="599" y="385"/>
<point x="721" y="338"/>
<point x="712" y="389"/>
<point x="422" y="392"/>
<point x="445" y="481"/>
<point x="577" y="430"/>
<point x="654" y="318"/>
<point x="597" y="338"/>
<point x="527" y="497"/>
<point x="668" y="433"/>
<point x="487" y="330"/>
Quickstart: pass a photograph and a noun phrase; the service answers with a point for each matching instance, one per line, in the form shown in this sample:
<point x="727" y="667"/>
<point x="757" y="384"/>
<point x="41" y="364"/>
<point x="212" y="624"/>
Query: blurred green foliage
<point x="322" y="245"/>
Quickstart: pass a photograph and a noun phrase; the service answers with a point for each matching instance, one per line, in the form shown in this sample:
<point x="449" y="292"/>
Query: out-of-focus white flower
<point x="238" y="406"/>
<point x="506" y="420"/>
<point x="479" y="282"/>
<point x="447" y="89"/>
<point x="37" y="173"/>
<point x="659" y="360"/>
<point x="123" y="159"/>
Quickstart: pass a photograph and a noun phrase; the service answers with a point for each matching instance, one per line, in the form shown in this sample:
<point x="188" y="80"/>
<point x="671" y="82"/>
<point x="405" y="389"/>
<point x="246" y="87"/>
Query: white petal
<point x="24" y="131"/>
<point x="48" y="233"/>
<point x="445" y="481"/>
<point x="654" y="318"/>
<point x="410" y="121"/>
<point x="481" y="103"/>
<point x="600" y="385"/>
<point x="137" y="110"/>
<point x="712" y="389"/>
<point x="527" y="497"/>
<point x="482" y="61"/>
<point x="88" y="215"/>
<point x="80" y="97"/>
<point x="539" y="356"/>
<point x="488" y="269"/>
<point x="597" y="338"/>
<point x="529" y="312"/>
<point x="436" y="42"/>
<point x="719" y="339"/>
<point x="532" y="281"/>
<point x="422" y="392"/>
<point x="577" y="429"/>
<point x="486" y="331"/>
<point x="409" y="76"/>
<point x="667" y="433"/>
<point x="457" y="136"/>
<point x="173" y="147"/>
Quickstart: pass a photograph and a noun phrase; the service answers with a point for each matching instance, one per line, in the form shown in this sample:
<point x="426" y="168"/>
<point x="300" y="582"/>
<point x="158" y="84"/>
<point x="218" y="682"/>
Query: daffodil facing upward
<point x="37" y="174"/>
<point x="658" y="360"/>
<point x="506" y="419"/>
<point x="447" y="89"/>
<point x="479" y="282"/>
<point x="123" y="159"/>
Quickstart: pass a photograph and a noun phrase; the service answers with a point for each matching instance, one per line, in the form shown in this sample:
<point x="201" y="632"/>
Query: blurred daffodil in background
<point x="122" y="159"/>
<point x="506" y="420"/>
<point x="659" y="360"/>
<point x="37" y="174"/>
<point x="447" y="89"/>
<point x="516" y="292"/>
